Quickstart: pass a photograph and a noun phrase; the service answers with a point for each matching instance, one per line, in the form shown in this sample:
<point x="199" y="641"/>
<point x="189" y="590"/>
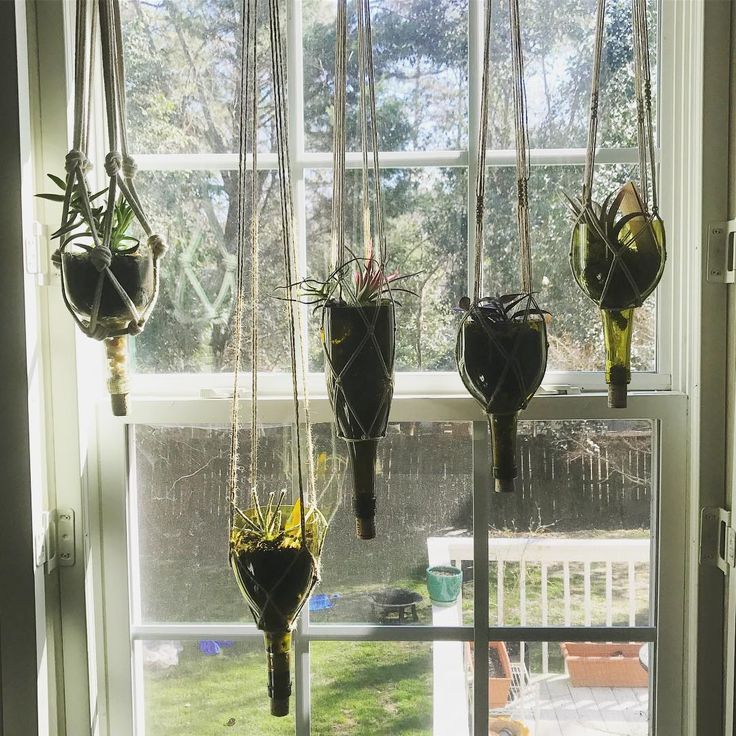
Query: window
<point x="576" y="555"/>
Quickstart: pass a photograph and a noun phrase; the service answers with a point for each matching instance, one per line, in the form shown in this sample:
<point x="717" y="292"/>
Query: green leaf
<point x="51" y="197"/>
<point x="57" y="180"/>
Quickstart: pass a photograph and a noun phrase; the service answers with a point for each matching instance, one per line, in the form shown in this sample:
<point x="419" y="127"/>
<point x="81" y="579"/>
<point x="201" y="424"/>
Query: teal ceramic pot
<point x="444" y="583"/>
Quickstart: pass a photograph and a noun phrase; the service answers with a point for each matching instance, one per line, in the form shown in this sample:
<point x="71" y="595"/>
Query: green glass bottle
<point x="617" y="256"/>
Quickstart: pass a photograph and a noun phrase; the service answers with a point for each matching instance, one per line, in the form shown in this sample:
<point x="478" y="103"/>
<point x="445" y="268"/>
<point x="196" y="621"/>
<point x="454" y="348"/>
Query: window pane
<point x="182" y="512"/>
<point x="572" y="546"/>
<point x="420" y="57"/>
<point x="373" y="688"/>
<point x="191" y="328"/>
<point x="576" y="333"/>
<point x="424" y="490"/>
<point x="426" y="235"/>
<point x="207" y="687"/>
<point x="567" y="688"/>
<point x="183" y="76"/>
<point x="558" y="56"/>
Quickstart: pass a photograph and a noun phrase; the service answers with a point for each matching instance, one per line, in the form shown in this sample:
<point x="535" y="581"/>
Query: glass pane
<point x="421" y="67"/>
<point x="183" y="76"/>
<point x="426" y="235"/>
<point x="182" y="512"/>
<point x="572" y="546"/>
<point x="191" y="328"/>
<point x="206" y="688"/>
<point x="558" y="53"/>
<point x="364" y="689"/>
<point x="424" y="491"/>
<point x="567" y="688"/>
<point x="576" y="332"/>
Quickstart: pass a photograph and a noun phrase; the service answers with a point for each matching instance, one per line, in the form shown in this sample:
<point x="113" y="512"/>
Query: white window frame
<point x="99" y="446"/>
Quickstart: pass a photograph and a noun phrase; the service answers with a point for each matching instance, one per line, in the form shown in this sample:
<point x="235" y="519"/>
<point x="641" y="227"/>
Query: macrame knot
<point x="76" y="159"/>
<point x="130" y="167"/>
<point x="101" y="257"/>
<point x="113" y="162"/>
<point x="135" y="328"/>
<point x="522" y="192"/>
<point x="157" y="245"/>
<point x="479" y="206"/>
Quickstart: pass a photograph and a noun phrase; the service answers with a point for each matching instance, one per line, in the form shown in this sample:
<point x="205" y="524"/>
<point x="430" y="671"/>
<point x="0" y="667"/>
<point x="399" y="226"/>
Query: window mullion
<point x="481" y="486"/>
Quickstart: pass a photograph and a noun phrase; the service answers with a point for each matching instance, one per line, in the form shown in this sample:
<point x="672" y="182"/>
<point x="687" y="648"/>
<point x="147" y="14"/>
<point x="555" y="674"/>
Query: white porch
<point x="544" y="701"/>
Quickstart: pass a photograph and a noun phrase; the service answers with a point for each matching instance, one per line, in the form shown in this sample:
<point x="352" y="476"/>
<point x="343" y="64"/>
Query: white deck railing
<point x="544" y="554"/>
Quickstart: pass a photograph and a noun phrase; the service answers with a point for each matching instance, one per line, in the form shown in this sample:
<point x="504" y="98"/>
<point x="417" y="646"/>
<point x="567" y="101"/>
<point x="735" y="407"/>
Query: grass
<point x="361" y="689"/>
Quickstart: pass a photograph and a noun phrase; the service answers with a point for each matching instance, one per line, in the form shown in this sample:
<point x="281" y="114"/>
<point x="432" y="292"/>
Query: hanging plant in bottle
<point x="273" y="547"/>
<point x="617" y="249"/>
<point x="357" y="299"/>
<point x="109" y="279"/>
<point x="501" y="348"/>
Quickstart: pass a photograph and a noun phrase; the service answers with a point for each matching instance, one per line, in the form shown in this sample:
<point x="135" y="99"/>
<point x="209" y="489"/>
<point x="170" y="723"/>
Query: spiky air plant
<point x="501" y="354"/>
<point x="274" y="554"/>
<point x="617" y="256"/>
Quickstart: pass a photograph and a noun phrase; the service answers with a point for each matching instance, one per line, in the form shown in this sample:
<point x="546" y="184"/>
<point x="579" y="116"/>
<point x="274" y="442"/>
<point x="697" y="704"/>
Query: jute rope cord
<point x="103" y="16"/>
<point x="643" y="92"/>
<point x="368" y="132"/>
<point x="521" y="137"/>
<point x="249" y="231"/>
<point x="645" y="140"/>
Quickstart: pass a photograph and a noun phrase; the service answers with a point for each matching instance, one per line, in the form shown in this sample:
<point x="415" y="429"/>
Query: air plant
<point x="506" y="308"/>
<point x="79" y="217"/>
<point x="357" y="282"/>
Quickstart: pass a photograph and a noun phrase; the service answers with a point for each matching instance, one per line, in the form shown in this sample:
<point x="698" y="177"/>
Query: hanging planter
<point x="501" y="347"/>
<point x="109" y="280"/>
<point x="358" y="337"/>
<point x="273" y="549"/>
<point x="617" y="249"/>
<point x="501" y="354"/>
<point x="358" y="322"/>
<point x="617" y="256"/>
<point x="276" y="565"/>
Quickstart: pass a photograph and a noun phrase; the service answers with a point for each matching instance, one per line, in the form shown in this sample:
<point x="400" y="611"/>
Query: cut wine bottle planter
<point x="617" y="256"/>
<point x="359" y="344"/>
<point x="502" y="357"/>
<point x="276" y="572"/>
<point x="136" y="274"/>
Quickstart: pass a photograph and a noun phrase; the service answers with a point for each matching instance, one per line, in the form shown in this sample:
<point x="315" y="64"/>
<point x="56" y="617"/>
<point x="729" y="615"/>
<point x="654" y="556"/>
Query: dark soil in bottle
<point x="134" y="272"/>
<point x="503" y="363"/>
<point x="592" y="261"/>
<point x="275" y="582"/>
<point x="359" y="372"/>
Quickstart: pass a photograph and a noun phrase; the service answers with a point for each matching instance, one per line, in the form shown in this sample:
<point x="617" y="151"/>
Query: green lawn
<point x="357" y="689"/>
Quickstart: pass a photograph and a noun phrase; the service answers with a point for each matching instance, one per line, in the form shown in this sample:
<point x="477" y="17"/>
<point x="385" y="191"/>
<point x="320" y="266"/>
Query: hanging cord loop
<point x="521" y="137"/>
<point x="103" y="16"/>
<point x="374" y="242"/>
<point x="643" y="92"/>
<point x="249" y="82"/>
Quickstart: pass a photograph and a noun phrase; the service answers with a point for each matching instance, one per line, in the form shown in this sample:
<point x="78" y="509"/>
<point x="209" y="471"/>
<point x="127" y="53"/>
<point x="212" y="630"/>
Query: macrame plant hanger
<point x="109" y="289"/>
<point x="617" y="251"/>
<point x="358" y="320"/>
<point x="501" y="348"/>
<point x="273" y="547"/>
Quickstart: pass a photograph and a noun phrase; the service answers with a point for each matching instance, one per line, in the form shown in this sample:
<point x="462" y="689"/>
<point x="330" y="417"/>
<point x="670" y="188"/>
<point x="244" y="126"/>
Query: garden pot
<point x="359" y="343"/>
<point x="617" y="256"/>
<point x="136" y="274"/>
<point x="499" y="682"/>
<point x="276" y="578"/>
<point x="502" y="364"/>
<point x="603" y="664"/>
<point x="444" y="583"/>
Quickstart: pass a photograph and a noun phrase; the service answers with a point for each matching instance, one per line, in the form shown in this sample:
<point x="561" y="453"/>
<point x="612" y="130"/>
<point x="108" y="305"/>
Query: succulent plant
<point x="123" y="216"/>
